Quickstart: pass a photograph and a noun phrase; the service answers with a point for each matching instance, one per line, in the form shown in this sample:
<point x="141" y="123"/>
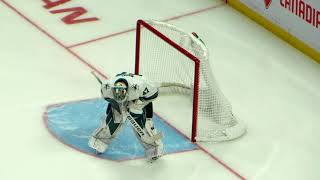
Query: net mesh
<point x="174" y="72"/>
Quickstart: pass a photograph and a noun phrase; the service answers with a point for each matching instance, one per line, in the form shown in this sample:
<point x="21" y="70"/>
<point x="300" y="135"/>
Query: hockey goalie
<point x="129" y="98"/>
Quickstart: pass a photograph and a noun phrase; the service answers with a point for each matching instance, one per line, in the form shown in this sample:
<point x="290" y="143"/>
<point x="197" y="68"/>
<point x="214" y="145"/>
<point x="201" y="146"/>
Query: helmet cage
<point x="119" y="91"/>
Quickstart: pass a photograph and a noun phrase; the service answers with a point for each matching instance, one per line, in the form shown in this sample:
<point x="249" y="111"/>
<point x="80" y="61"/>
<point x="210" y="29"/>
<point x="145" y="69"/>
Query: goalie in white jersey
<point x="130" y="98"/>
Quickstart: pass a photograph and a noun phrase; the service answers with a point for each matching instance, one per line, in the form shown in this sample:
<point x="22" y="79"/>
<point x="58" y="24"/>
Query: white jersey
<point x="138" y="88"/>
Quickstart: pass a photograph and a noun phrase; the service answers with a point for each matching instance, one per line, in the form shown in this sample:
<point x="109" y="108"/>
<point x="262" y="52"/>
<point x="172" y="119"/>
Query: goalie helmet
<point x="119" y="90"/>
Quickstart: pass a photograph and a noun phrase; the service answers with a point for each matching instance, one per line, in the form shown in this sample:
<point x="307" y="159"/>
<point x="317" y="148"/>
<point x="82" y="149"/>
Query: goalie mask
<point x="119" y="90"/>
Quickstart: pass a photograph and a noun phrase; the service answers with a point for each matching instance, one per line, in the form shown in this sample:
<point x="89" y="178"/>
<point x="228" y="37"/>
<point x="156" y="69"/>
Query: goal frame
<point x="144" y="24"/>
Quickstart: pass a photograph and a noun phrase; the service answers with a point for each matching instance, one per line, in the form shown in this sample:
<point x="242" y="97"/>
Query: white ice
<point x="273" y="87"/>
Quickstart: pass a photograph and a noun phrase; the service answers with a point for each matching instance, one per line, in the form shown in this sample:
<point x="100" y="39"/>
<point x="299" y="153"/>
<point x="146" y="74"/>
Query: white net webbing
<point x="174" y="72"/>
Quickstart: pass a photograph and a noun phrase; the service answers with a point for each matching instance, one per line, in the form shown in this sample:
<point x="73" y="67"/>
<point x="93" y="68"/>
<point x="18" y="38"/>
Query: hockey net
<point x="179" y="63"/>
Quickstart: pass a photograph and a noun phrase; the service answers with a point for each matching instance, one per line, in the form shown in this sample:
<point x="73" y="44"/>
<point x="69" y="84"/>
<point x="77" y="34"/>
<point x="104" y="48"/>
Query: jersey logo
<point x="145" y="91"/>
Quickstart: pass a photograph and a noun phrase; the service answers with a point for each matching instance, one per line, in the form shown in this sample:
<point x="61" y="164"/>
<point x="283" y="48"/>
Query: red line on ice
<point x="133" y="29"/>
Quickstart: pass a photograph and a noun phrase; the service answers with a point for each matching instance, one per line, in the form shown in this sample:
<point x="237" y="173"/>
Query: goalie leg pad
<point x="153" y="150"/>
<point x="102" y="137"/>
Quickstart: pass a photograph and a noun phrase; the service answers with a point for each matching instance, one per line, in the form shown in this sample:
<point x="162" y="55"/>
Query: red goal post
<point x="185" y="57"/>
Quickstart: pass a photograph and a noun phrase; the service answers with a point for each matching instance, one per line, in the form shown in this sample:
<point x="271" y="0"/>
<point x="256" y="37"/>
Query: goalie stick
<point x="96" y="76"/>
<point x="142" y="133"/>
